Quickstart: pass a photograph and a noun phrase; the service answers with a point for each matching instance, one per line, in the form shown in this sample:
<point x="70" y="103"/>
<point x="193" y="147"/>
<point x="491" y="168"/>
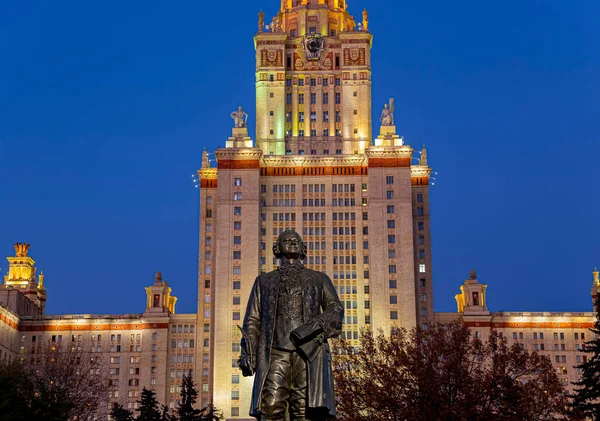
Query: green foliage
<point x="444" y="374"/>
<point x="586" y="398"/>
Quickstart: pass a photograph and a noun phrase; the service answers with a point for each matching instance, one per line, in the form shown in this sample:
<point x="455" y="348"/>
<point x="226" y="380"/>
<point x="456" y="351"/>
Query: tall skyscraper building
<point x="360" y="203"/>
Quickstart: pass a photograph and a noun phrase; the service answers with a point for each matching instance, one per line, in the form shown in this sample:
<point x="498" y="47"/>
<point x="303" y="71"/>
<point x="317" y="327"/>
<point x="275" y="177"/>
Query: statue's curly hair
<point x="277" y="250"/>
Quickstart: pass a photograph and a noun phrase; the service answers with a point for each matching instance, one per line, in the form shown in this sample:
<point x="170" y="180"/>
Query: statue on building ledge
<point x="387" y="114"/>
<point x="239" y="118"/>
<point x="291" y="313"/>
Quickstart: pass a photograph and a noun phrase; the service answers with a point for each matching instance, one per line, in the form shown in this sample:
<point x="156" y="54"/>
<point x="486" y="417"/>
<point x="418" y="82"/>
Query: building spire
<point x="205" y="160"/>
<point x="596" y="278"/>
<point x="423" y="158"/>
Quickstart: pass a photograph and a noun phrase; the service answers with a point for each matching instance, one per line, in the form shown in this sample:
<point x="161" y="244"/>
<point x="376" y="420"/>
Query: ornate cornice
<point x="314" y="161"/>
<point x="389" y="152"/>
<point x="238" y="154"/>
<point x="420" y="171"/>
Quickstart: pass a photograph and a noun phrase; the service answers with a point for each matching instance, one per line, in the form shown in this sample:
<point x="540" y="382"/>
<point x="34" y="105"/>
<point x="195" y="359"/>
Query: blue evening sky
<point x="105" y="108"/>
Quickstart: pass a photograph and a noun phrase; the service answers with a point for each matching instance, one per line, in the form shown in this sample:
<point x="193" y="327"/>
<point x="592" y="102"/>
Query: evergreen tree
<point x="210" y="413"/>
<point x="119" y="413"/>
<point x="586" y="399"/>
<point x="149" y="408"/>
<point x="189" y="395"/>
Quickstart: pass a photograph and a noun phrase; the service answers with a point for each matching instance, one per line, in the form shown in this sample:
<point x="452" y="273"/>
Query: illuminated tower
<point x="22" y="277"/>
<point x="359" y="203"/>
<point x="313" y="80"/>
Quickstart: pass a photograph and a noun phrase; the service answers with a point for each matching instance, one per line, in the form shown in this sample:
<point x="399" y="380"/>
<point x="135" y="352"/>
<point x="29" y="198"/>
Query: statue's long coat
<point x="320" y="303"/>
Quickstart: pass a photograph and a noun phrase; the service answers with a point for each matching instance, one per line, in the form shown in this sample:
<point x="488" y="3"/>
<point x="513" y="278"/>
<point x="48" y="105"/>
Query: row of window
<point x="313" y="133"/>
<point x="313" y="98"/>
<point x="180" y="373"/>
<point x="182" y="343"/>
<point x="313" y="81"/>
<point x="132" y="359"/>
<point x="182" y="328"/>
<point x="131" y="394"/>
<point x="556" y="335"/>
<point x="182" y="358"/>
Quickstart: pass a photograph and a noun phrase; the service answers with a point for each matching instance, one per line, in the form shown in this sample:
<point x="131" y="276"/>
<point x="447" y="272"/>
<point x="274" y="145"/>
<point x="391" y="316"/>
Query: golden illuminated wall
<point x="321" y="105"/>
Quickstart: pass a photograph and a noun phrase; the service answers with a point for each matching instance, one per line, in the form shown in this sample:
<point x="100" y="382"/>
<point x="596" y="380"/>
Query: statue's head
<point x="289" y="245"/>
<point x="240" y="108"/>
<point x="385" y="105"/>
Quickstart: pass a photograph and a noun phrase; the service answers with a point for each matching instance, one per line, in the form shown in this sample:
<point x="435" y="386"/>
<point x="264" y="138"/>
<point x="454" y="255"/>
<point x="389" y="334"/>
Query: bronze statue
<point x="291" y="313"/>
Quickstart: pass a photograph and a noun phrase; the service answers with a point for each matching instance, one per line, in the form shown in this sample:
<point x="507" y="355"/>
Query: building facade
<point x="361" y="204"/>
<point x="560" y="336"/>
<point x="153" y="349"/>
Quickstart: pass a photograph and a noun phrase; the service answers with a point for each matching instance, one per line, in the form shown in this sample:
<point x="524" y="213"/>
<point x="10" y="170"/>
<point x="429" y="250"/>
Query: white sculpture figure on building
<point x="387" y="114"/>
<point x="239" y="118"/>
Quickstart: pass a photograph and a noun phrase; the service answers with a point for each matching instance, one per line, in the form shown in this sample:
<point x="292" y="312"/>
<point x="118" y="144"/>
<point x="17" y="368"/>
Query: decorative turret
<point x="595" y="287"/>
<point x="22" y="277"/>
<point x="159" y="300"/>
<point x="261" y="21"/>
<point x="205" y="160"/>
<point x="472" y="298"/>
<point x="423" y="157"/>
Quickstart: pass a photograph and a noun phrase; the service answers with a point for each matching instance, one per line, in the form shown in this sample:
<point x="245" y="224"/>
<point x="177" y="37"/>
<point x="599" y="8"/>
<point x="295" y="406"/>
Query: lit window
<point x="237" y="196"/>
<point x="422" y="268"/>
<point x="237" y="182"/>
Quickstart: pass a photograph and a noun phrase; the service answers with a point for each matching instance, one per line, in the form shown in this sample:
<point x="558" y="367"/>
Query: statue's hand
<point x="245" y="363"/>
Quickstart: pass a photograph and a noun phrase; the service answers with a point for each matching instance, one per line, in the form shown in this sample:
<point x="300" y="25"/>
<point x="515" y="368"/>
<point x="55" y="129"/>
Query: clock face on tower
<point x="313" y="46"/>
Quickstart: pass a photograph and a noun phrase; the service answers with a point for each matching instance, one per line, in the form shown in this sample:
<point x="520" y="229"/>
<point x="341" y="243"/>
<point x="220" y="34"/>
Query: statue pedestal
<point x="388" y="137"/>
<point x="239" y="138"/>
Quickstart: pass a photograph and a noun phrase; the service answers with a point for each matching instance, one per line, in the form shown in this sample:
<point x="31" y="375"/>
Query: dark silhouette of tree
<point x="56" y="383"/>
<point x="119" y="413"/>
<point x="444" y="373"/>
<point x="586" y="397"/>
<point x="210" y="413"/>
<point x="149" y="407"/>
<point x="16" y="392"/>
<point x="186" y="410"/>
<point x="189" y="396"/>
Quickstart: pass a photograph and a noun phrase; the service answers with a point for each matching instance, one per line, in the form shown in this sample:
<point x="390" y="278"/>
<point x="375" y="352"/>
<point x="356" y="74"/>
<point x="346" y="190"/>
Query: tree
<point x="16" y="392"/>
<point x="118" y="413"/>
<point x="444" y="373"/>
<point x="586" y="398"/>
<point x="149" y="407"/>
<point x="55" y="384"/>
<point x="189" y="395"/>
<point x="210" y="413"/>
